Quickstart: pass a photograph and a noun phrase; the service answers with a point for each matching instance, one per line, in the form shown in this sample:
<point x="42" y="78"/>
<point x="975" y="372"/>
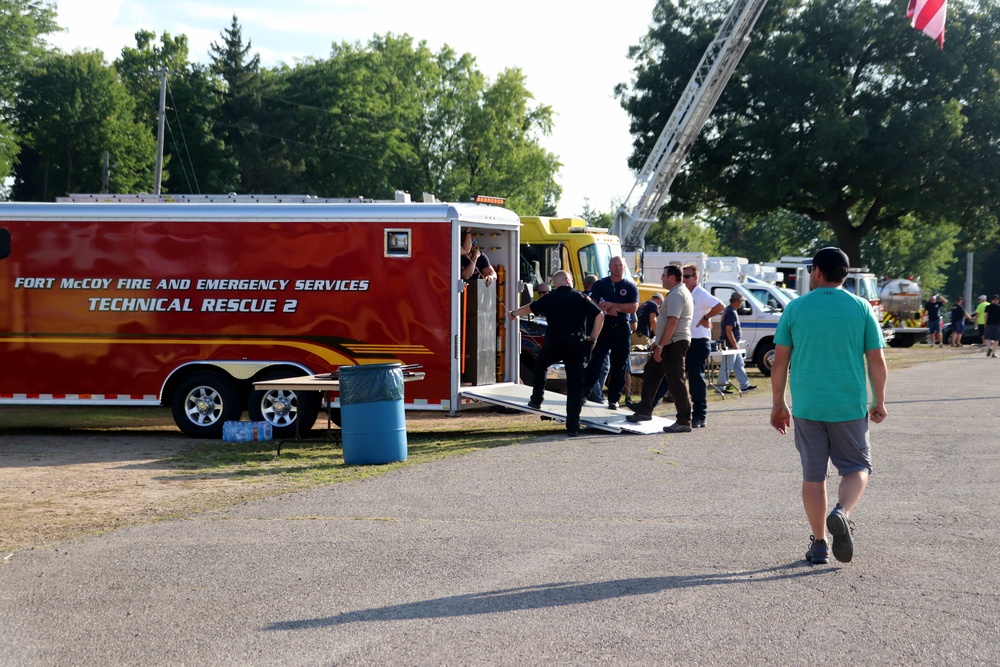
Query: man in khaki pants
<point x="669" y="347"/>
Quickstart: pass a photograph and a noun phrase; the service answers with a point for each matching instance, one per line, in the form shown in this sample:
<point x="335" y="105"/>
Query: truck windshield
<point x="866" y="289"/>
<point x="772" y="298"/>
<point x="863" y="286"/>
<point x="596" y="258"/>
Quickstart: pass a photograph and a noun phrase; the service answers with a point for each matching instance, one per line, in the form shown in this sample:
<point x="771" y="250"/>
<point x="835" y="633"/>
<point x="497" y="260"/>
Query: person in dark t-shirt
<point x="933" y="308"/>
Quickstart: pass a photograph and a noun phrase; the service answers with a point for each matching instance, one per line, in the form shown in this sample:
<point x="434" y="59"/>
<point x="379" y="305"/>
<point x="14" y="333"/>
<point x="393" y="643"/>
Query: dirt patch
<point x="66" y="482"/>
<point x="63" y="485"/>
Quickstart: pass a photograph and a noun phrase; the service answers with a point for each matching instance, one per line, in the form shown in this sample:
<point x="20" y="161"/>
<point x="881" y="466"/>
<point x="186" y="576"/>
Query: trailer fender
<point x="242" y="372"/>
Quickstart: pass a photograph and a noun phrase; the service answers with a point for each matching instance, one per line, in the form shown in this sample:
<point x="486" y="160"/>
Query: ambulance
<point x="186" y="305"/>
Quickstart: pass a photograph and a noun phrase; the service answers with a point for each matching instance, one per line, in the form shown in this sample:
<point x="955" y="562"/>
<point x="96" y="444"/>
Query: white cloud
<point x="571" y="55"/>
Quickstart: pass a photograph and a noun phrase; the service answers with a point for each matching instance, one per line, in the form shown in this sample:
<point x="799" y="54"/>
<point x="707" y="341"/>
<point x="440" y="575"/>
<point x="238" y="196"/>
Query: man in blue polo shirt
<point x="616" y="296"/>
<point x="826" y="337"/>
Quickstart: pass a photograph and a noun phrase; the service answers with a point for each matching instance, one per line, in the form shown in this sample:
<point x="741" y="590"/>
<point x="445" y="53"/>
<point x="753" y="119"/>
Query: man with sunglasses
<point x="669" y="346"/>
<point x="825" y="338"/>
<point x="706" y="307"/>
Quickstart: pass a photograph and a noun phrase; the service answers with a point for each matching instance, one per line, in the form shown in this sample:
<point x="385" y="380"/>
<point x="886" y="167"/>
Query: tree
<point x="682" y="234"/>
<point x="595" y="218"/>
<point x="913" y="249"/>
<point x="765" y="237"/>
<point x="391" y="115"/>
<point x="838" y="112"/>
<point x="500" y="152"/>
<point x="358" y="118"/>
<point x="192" y="140"/>
<point x="261" y="157"/>
<point x="70" y="110"/>
<point x="22" y="22"/>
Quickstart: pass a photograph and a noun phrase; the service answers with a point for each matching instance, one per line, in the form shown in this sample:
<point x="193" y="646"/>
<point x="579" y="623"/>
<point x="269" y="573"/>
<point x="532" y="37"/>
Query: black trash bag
<point x="370" y="383"/>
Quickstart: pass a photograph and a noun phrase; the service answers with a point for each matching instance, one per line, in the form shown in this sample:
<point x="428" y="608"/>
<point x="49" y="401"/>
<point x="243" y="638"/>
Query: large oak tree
<point x="839" y="112"/>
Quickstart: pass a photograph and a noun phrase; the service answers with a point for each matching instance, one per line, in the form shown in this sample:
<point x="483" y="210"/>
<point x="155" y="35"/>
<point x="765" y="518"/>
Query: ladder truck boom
<point x="685" y="123"/>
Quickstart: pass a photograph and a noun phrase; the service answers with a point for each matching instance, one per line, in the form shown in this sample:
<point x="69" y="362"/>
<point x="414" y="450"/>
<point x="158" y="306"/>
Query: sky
<point x="572" y="56"/>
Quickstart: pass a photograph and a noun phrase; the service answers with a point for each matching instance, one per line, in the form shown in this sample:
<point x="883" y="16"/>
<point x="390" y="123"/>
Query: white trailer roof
<point x="479" y="215"/>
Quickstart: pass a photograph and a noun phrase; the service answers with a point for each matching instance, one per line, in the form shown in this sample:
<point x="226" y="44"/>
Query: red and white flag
<point x="928" y="17"/>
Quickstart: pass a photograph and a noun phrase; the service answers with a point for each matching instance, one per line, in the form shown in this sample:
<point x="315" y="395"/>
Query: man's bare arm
<point x="781" y="418"/>
<point x="878" y="375"/>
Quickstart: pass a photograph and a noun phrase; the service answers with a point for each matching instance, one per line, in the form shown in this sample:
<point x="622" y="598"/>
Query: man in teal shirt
<point x="826" y="337"/>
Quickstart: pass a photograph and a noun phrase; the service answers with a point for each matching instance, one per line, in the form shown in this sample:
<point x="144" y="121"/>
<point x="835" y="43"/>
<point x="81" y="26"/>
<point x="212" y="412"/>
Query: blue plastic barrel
<point x="373" y="422"/>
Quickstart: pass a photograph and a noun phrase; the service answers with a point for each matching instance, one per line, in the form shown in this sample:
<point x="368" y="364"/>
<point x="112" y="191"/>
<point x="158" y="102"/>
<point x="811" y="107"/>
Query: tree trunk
<point x="849" y="237"/>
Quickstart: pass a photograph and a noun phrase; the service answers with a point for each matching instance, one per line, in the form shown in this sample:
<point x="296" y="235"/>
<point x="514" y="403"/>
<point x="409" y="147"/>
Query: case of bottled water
<point x="234" y="431"/>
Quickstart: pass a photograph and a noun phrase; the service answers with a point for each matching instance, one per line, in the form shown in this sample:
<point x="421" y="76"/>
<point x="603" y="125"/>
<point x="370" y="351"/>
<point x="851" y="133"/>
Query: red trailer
<point x="186" y="305"/>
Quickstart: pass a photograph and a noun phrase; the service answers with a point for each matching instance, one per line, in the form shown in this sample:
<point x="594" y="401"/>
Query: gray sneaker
<point x="840" y="529"/>
<point x="818" y="553"/>
<point x="677" y="428"/>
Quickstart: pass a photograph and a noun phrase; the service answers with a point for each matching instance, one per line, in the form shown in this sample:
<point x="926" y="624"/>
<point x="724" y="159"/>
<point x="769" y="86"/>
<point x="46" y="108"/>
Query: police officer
<point x="567" y="313"/>
<point x="616" y="296"/>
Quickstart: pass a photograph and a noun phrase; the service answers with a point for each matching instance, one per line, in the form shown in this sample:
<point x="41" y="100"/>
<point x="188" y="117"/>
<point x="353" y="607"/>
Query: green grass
<point x="16" y="419"/>
<point x="315" y="462"/>
<point x="302" y="463"/>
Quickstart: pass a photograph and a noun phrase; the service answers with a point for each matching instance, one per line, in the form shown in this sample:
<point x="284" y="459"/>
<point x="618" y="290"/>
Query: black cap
<point x="829" y="259"/>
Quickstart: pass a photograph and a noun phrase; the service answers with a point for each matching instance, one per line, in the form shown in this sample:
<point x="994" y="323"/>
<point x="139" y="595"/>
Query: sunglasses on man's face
<point x="688" y="275"/>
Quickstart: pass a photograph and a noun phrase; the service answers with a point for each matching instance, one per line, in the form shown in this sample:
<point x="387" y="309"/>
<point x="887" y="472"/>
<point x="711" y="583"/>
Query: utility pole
<point x="969" y="303"/>
<point x="159" y="131"/>
<point x="105" y="173"/>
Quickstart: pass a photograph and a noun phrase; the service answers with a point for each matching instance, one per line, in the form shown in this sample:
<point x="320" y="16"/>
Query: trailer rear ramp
<point x="593" y="415"/>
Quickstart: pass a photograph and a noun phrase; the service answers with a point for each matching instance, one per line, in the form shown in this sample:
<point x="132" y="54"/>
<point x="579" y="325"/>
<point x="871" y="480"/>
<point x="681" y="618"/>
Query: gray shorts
<point x="992" y="332"/>
<point x="846" y="444"/>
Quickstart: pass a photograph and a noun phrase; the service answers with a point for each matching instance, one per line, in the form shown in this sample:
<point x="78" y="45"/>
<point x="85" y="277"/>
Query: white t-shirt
<point x="703" y="302"/>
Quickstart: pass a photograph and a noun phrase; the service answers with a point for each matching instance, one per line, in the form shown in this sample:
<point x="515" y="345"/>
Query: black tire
<point x="903" y="340"/>
<point x="283" y="409"/>
<point x="765" y="358"/>
<point x="204" y="402"/>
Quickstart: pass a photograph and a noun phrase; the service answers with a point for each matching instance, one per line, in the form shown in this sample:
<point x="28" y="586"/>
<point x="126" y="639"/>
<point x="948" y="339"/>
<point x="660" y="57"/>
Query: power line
<point x="187" y="150"/>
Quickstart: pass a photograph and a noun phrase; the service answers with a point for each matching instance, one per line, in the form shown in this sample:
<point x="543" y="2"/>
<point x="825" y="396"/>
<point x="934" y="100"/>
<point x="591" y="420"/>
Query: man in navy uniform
<point x="616" y="296"/>
<point x="568" y="314"/>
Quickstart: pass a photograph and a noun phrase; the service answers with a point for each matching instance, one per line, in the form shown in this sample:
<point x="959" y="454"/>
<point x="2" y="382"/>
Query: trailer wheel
<point x="204" y="402"/>
<point x="284" y="408"/>
<point x="765" y="358"/>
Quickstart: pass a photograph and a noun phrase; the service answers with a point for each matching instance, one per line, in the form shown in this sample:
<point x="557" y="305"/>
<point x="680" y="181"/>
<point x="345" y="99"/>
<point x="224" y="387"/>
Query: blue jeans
<point x="733" y="364"/>
<point x="697" y="357"/>
<point x="615" y="342"/>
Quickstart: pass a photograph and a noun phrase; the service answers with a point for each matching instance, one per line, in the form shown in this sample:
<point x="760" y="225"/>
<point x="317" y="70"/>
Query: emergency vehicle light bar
<point x="587" y="230"/>
<point x="484" y="199"/>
